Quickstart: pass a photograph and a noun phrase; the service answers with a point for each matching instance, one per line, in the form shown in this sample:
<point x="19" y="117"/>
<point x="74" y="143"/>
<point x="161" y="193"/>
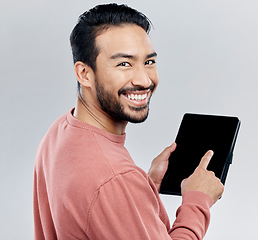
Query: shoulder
<point x="129" y="187"/>
<point x="130" y="197"/>
<point x="132" y="176"/>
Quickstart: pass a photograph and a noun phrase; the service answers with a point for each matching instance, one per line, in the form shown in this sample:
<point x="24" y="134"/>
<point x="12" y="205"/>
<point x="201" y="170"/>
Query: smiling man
<point x="120" y="88"/>
<point x="86" y="185"/>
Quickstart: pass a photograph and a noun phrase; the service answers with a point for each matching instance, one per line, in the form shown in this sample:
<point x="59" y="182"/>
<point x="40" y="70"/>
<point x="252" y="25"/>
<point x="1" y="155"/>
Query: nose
<point x="141" y="78"/>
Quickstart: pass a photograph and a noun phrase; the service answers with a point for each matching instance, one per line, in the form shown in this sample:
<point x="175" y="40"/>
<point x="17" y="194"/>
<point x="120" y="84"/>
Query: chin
<point x="138" y="115"/>
<point x="137" y="118"/>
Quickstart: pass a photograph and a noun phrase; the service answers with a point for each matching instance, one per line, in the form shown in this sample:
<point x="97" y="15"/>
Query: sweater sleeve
<point x="127" y="207"/>
<point x="192" y="217"/>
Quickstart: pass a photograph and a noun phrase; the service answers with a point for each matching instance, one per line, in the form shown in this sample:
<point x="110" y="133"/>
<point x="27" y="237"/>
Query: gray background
<point x="208" y="62"/>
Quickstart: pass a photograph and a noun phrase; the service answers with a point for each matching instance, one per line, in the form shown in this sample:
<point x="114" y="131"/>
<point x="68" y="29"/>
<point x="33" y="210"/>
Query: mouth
<point x="137" y="96"/>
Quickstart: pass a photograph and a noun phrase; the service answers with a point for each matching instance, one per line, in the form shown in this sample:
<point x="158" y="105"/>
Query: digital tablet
<point x="197" y="134"/>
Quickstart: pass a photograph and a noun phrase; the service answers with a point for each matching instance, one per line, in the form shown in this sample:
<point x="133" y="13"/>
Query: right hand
<point x="203" y="180"/>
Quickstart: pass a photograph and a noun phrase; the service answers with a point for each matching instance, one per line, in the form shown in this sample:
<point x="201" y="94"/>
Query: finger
<point x="168" y="150"/>
<point x="172" y="147"/>
<point x="206" y="159"/>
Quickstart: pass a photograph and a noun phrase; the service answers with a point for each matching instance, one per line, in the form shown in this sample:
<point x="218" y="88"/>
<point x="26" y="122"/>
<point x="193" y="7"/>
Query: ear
<point x="84" y="74"/>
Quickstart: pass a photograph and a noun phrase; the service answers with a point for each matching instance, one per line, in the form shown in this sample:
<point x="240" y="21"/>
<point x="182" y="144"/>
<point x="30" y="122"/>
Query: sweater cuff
<point x="198" y="198"/>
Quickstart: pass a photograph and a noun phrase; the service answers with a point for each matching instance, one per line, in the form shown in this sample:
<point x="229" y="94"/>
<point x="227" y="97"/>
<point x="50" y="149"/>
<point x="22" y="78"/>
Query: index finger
<point x="206" y="159"/>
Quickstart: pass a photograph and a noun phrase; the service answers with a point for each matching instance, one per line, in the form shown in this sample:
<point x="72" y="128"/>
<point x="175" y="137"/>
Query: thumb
<point x="168" y="150"/>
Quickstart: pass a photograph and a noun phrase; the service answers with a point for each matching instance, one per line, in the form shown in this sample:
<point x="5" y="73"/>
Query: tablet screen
<point x="198" y="134"/>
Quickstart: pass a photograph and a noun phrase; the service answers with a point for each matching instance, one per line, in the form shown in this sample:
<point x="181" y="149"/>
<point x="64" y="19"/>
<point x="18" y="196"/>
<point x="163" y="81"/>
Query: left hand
<point x="159" y="166"/>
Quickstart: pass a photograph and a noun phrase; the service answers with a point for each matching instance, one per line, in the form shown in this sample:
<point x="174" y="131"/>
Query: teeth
<point x="137" y="97"/>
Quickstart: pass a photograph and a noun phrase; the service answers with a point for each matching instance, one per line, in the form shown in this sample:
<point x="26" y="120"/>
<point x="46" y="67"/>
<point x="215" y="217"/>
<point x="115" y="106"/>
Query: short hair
<point x="91" y="23"/>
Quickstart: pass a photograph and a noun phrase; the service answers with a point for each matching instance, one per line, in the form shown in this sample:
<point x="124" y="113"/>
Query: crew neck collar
<point x="80" y="124"/>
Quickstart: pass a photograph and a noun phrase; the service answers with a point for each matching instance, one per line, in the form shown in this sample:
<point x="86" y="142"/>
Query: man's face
<point x="126" y="73"/>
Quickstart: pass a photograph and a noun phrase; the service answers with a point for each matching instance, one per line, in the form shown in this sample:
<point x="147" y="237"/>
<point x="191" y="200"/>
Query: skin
<point x="126" y="62"/>
<point x="125" y="66"/>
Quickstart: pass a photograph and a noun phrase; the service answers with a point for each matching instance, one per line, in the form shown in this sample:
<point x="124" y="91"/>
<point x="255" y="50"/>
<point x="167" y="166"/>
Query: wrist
<point x="198" y="198"/>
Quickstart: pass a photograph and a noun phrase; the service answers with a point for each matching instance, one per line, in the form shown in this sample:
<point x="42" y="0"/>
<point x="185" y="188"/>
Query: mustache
<point x="136" y="88"/>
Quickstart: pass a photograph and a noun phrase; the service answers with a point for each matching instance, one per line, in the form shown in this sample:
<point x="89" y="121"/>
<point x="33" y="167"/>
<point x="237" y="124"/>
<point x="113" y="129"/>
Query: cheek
<point x="110" y="80"/>
<point x="154" y="76"/>
<point x="120" y="79"/>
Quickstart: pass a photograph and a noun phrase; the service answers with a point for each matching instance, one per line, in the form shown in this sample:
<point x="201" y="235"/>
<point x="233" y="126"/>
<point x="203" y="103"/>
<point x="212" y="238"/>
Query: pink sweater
<point x="86" y="186"/>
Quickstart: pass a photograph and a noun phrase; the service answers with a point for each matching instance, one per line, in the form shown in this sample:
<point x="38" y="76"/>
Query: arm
<point x="128" y="207"/>
<point x="199" y="192"/>
<point x="192" y="217"/>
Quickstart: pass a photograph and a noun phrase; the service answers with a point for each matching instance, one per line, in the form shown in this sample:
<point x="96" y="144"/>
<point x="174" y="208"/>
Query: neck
<point x="97" y="118"/>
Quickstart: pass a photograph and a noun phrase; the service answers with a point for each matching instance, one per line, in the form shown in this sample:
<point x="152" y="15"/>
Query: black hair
<point x="91" y="23"/>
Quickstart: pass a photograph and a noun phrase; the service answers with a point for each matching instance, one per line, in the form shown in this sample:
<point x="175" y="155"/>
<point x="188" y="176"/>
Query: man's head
<point x="93" y="22"/>
<point x="112" y="40"/>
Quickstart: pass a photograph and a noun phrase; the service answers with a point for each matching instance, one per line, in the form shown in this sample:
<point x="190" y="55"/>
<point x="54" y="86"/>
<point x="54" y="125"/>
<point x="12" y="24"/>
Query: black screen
<point x="198" y="134"/>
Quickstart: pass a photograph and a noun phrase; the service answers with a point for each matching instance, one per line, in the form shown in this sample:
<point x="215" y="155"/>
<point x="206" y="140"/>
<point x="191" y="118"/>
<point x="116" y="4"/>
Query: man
<point x="86" y="186"/>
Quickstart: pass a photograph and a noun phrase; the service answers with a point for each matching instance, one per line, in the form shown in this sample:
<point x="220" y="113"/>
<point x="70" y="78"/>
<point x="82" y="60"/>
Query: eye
<point x="124" y="64"/>
<point x="150" y="62"/>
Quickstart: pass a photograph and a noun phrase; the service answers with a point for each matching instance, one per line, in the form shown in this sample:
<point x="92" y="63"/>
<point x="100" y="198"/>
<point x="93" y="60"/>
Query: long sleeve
<point x="128" y="207"/>
<point x="86" y="186"/>
<point x="192" y="217"/>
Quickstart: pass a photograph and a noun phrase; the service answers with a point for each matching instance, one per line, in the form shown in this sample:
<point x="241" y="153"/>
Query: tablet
<point x="197" y="134"/>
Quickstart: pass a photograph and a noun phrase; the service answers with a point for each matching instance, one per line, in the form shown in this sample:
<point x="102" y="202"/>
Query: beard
<point x="115" y="109"/>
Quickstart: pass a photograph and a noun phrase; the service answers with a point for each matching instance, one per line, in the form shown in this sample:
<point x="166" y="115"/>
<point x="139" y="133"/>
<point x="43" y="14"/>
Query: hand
<point x="204" y="180"/>
<point x="159" y="166"/>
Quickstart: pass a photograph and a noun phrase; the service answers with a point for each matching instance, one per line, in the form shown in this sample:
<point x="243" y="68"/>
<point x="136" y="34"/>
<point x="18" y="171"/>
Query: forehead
<point x="129" y="38"/>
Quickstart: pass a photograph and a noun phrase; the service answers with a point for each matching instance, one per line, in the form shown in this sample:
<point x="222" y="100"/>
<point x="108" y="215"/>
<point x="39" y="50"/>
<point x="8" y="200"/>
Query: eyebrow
<point x="154" y="54"/>
<point x="125" y="55"/>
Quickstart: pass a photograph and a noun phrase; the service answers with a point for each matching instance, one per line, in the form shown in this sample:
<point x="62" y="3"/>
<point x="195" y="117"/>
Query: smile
<point x="136" y="97"/>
